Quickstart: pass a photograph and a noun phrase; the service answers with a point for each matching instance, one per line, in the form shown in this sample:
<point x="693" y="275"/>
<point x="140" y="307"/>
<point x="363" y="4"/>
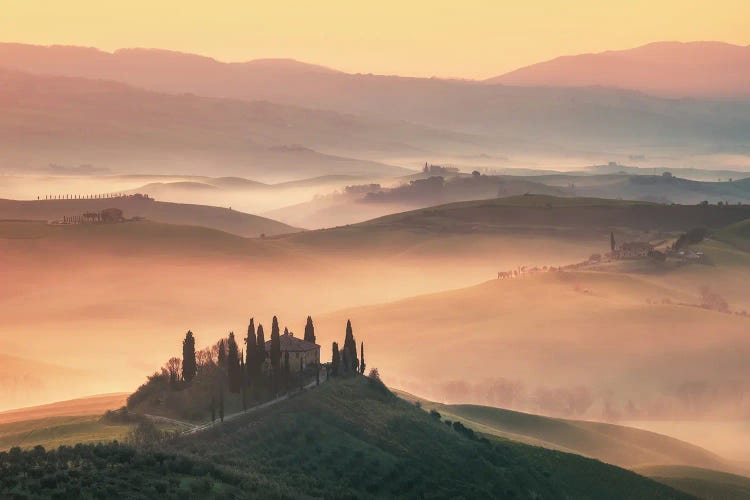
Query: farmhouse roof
<point x="291" y="343"/>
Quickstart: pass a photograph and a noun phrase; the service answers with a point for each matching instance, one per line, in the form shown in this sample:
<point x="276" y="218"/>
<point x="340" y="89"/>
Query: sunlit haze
<point x="463" y="39"/>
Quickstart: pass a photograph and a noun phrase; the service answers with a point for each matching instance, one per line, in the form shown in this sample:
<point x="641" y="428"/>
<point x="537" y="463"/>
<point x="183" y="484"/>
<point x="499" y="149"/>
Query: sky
<point x="464" y="39"/>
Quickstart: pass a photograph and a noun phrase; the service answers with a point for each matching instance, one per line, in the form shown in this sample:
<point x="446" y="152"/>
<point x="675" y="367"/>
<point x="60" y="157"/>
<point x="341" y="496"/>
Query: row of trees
<point x="344" y="361"/>
<point x="241" y="370"/>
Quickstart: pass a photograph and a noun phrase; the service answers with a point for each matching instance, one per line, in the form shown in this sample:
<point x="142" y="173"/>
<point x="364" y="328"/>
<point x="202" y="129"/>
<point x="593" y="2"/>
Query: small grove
<point x="224" y="378"/>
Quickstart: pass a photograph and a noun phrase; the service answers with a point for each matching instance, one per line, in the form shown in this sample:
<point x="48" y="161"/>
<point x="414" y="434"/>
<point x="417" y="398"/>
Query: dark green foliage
<point x="349" y="355"/>
<point x="692" y="237"/>
<point x="115" y="471"/>
<point x="252" y="367"/>
<point x="435" y="414"/>
<point x="275" y="352"/>
<point x="234" y="374"/>
<point x="335" y="360"/>
<point x="188" y="357"/>
<point x="350" y="439"/>
<point x="362" y="364"/>
<point x="222" y="355"/>
<point x="309" y="330"/>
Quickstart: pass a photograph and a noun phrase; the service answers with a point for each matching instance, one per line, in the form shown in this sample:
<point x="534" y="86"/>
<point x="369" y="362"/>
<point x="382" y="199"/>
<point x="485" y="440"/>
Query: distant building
<point x="633" y="250"/>
<point x="298" y="349"/>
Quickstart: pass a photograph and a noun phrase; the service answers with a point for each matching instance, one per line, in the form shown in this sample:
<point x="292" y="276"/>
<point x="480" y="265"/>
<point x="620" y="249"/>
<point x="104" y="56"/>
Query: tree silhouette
<point x="222" y="355"/>
<point x="189" y="366"/>
<point x="309" y="330"/>
<point x="612" y="244"/>
<point x="362" y="358"/>
<point x="350" y="350"/>
<point x="335" y="359"/>
<point x="251" y="354"/>
<point x="234" y="374"/>
<point x="275" y="346"/>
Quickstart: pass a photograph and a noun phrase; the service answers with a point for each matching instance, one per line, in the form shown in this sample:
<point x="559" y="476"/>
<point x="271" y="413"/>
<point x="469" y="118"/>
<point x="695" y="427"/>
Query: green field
<point x="57" y="431"/>
<point x="353" y="438"/>
<point x="623" y="446"/>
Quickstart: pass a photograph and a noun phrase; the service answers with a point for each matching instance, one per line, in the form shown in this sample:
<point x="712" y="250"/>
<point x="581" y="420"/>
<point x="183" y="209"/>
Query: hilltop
<point x="222" y="219"/>
<point x="375" y="445"/>
<point x="674" y="69"/>
<point x="359" y="202"/>
<point x="349" y="437"/>
<point x="552" y="215"/>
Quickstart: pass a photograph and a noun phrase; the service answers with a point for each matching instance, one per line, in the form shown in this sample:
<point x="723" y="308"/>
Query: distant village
<point x="677" y="251"/>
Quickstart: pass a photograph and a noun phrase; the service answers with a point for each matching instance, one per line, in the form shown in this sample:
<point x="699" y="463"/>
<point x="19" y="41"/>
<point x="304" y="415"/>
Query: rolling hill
<point x="124" y="129"/>
<point x="644" y="336"/>
<point x="367" y="201"/>
<point x="345" y="438"/>
<point x="217" y="218"/>
<point x="92" y="405"/>
<point x="702" y="483"/>
<point x="551" y="212"/>
<point x="673" y="69"/>
<point x="615" y="444"/>
<point x="491" y="120"/>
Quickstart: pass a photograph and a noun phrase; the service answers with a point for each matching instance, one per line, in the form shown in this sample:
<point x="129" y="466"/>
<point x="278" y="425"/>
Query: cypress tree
<point x="612" y="245"/>
<point x="335" y="359"/>
<point x="233" y="365"/>
<point x="309" y="330"/>
<point x="261" y="351"/>
<point x="275" y="346"/>
<point x="188" y="357"/>
<point x="222" y="355"/>
<point x="350" y="350"/>
<point x="362" y="358"/>
<point x="251" y="354"/>
<point x="260" y="360"/>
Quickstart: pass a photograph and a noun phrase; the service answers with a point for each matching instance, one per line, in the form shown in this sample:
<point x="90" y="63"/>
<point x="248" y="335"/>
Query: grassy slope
<point x="93" y="405"/>
<point x="350" y="438"/>
<point x="222" y="219"/>
<point x="703" y="483"/>
<point x="52" y="432"/>
<point x="615" y="444"/>
<point x="737" y="234"/>
<point x="544" y="210"/>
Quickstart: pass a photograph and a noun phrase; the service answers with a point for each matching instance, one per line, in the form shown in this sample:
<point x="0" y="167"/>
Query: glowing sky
<point x="466" y="38"/>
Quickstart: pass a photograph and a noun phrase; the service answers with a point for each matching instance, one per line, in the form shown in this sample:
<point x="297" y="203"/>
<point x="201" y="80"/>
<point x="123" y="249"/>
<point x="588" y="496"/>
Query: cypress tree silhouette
<point x="222" y="355"/>
<point x="188" y="357"/>
<point x="310" y="330"/>
<point x="234" y="375"/>
<point x="335" y="360"/>
<point x="362" y="358"/>
<point x="275" y="346"/>
<point x="251" y="354"/>
<point x="260" y="353"/>
<point x="351" y="365"/>
<point x="612" y="244"/>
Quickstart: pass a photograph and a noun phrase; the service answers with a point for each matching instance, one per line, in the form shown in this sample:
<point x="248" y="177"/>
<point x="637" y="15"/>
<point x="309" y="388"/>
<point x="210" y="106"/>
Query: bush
<point x="435" y="414"/>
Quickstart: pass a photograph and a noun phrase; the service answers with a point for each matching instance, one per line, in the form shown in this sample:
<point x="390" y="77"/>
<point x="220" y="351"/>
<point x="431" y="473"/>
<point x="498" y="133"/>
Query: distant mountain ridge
<point x="672" y="69"/>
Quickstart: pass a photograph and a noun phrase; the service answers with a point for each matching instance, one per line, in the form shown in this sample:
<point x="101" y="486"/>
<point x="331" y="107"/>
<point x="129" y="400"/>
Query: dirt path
<point x="191" y="428"/>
